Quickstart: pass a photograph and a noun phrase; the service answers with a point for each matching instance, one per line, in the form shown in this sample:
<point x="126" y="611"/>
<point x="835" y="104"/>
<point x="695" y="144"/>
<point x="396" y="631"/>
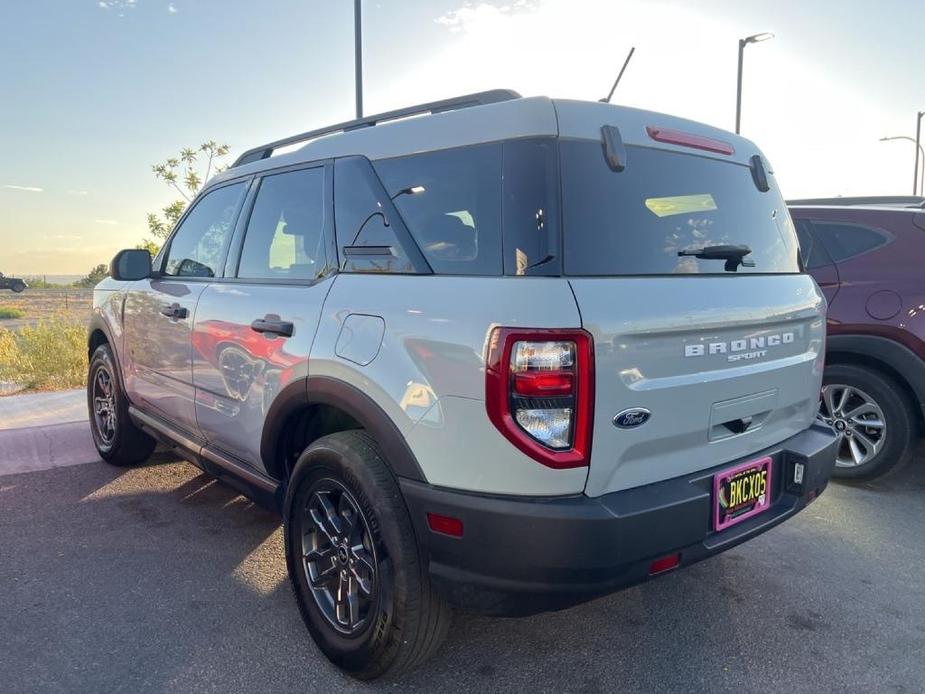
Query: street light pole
<point x="358" y="54"/>
<point x="754" y="38"/>
<point x="918" y="136"/>
<point x="739" y="85"/>
<point x="919" y="150"/>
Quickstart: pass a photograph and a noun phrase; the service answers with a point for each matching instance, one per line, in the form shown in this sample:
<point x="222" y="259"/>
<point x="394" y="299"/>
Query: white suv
<point x="508" y="355"/>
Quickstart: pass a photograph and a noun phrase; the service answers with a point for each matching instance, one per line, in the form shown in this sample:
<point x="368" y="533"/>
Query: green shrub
<point x="51" y="355"/>
<point x="10" y="312"/>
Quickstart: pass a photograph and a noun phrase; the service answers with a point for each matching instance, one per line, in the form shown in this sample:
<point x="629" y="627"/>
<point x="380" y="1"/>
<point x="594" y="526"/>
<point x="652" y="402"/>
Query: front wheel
<point x="19" y="287"/>
<point x="353" y="561"/>
<point x="117" y="439"/>
<point x="871" y="415"/>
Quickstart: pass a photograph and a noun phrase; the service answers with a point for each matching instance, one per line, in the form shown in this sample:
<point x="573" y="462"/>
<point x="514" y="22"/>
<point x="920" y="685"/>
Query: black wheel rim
<point x="339" y="557"/>
<point x="104" y="405"/>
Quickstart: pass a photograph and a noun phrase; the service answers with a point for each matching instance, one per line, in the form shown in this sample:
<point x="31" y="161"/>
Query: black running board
<point x="261" y="489"/>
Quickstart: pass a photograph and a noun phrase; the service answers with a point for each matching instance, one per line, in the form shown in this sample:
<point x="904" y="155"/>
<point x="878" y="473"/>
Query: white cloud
<point x="109" y="222"/>
<point x="26" y="189"/>
<point x="116" y="4"/>
<point x="472" y="14"/>
<point x="77" y="192"/>
<point x="172" y="9"/>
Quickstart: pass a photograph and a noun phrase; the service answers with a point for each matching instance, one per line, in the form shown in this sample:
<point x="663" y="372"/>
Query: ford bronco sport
<point x="507" y="355"/>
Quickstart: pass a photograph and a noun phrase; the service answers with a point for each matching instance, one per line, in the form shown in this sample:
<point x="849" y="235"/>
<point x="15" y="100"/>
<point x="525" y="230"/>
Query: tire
<point x="117" y="440"/>
<point x="19" y="287"/>
<point x="400" y="621"/>
<point x="880" y="399"/>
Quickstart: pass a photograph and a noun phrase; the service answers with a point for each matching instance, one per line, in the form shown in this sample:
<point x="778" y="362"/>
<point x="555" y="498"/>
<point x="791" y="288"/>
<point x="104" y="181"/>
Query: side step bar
<point x="261" y="489"/>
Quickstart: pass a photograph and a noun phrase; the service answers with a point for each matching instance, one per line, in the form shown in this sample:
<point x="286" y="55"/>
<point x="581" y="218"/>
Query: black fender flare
<point x="898" y="357"/>
<point x="323" y="390"/>
<point x="97" y="322"/>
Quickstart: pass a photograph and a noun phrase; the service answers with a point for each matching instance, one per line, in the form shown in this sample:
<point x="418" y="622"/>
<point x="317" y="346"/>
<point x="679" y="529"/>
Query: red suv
<point x="868" y="256"/>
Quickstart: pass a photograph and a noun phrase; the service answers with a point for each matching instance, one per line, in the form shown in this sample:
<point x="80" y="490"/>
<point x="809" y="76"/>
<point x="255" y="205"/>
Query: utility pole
<point x="358" y="53"/>
<point x="918" y="139"/>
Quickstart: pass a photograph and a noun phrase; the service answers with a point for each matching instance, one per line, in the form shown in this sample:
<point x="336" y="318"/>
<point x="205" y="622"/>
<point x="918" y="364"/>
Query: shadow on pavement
<point x="160" y="578"/>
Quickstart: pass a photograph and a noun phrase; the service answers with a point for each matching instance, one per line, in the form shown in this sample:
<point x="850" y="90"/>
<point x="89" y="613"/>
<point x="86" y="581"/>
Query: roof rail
<point x="888" y="200"/>
<point x="457" y="102"/>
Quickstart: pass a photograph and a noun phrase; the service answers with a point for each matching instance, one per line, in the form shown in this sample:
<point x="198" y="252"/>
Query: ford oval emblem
<point x="631" y="418"/>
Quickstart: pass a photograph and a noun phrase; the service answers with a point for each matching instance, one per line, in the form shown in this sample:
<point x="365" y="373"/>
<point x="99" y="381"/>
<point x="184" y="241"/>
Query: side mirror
<point x="130" y="265"/>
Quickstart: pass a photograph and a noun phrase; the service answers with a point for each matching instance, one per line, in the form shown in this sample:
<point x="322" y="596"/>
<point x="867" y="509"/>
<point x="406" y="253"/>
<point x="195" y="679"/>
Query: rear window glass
<point x="636" y="222"/>
<point x="451" y="202"/>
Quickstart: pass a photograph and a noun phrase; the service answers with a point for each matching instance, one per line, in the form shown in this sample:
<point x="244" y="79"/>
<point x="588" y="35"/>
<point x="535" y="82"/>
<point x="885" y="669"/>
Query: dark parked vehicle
<point x="14" y="283"/>
<point x="867" y="255"/>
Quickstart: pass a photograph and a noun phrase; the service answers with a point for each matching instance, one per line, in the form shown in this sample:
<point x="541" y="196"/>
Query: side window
<point x="285" y="232"/>
<point x="844" y="240"/>
<point x="450" y="201"/>
<point x="531" y="208"/>
<point x="813" y="253"/>
<point x="198" y="247"/>
<point x="367" y="241"/>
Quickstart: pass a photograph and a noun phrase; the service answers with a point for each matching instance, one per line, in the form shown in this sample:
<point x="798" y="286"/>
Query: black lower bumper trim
<point x="523" y="555"/>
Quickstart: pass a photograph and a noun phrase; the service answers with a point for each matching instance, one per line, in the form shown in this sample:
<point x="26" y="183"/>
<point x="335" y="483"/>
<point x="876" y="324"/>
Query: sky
<point x="93" y="92"/>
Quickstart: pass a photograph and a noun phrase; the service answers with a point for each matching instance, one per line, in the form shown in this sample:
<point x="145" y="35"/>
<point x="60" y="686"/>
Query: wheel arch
<point x="316" y="406"/>
<point x="887" y="356"/>
<point x="98" y="334"/>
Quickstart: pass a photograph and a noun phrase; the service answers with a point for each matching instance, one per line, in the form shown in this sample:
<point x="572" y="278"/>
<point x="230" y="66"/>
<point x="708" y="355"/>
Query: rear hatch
<point x="710" y="351"/>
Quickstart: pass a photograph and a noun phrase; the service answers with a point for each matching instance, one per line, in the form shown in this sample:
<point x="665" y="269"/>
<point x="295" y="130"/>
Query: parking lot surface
<point x="160" y="578"/>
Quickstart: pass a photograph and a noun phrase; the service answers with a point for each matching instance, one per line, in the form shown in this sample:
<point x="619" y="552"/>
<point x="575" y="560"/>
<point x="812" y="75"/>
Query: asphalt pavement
<point x="160" y="579"/>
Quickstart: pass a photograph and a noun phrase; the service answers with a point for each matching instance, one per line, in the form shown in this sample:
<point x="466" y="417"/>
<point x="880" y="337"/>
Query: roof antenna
<point x="617" y="81"/>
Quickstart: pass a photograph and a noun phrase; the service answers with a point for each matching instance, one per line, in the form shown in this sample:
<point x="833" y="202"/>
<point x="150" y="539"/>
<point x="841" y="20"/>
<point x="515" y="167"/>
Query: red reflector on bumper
<point x="672" y="561"/>
<point x="445" y="525"/>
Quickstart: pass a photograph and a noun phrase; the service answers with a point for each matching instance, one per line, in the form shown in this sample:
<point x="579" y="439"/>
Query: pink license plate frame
<point x="722" y="517"/>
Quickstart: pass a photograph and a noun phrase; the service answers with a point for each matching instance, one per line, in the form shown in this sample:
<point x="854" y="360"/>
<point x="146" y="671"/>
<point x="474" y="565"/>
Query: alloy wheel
<point x="857" y="419"/>
<point x="104" y="405"/>
<point x="339" y="557"/>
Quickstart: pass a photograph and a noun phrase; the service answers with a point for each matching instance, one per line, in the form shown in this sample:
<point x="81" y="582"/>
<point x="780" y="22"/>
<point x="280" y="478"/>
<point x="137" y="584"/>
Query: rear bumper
<point x="523" y="555"/>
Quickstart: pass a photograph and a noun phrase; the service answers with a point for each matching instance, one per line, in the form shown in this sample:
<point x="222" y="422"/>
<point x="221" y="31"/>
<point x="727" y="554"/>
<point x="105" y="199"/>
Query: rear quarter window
<point x="635" y="222"/>
<point x="814" y="255"/>
<point x="846" y="240"/>
<point x="451" y="202"/>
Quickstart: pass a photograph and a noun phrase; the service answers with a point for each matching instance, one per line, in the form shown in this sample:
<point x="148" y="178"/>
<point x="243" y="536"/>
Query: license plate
<point x="741" y="492"/>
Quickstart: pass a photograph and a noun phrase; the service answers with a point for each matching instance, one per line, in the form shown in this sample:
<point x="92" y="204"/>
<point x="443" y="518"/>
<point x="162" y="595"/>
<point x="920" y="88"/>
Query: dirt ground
<point x="43" y="304"/>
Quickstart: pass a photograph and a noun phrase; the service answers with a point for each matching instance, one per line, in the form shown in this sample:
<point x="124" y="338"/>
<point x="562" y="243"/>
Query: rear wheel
<point x="872" y="418"/>
<point x="353" y="561"/>
<point x="117" y="439"/>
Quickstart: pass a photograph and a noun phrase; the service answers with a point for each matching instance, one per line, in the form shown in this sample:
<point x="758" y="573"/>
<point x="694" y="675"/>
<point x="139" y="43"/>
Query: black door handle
<point x="273" y="325"/>
<point x="174" y="311"/>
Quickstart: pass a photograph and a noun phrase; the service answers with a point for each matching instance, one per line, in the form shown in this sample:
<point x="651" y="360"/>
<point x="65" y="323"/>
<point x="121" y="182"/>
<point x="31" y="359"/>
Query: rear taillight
<point x="539" y="392"/>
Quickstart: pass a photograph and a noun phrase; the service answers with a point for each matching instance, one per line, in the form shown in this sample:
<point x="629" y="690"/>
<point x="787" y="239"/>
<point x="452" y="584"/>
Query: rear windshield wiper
<point x="733" y="255"/>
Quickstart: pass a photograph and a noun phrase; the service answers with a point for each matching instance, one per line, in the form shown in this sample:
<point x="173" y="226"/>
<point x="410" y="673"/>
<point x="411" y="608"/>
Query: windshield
<point x="663" y="209"/>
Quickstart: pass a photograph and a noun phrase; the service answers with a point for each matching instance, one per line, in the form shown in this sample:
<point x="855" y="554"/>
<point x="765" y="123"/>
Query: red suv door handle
<point x="272" y="325"/>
